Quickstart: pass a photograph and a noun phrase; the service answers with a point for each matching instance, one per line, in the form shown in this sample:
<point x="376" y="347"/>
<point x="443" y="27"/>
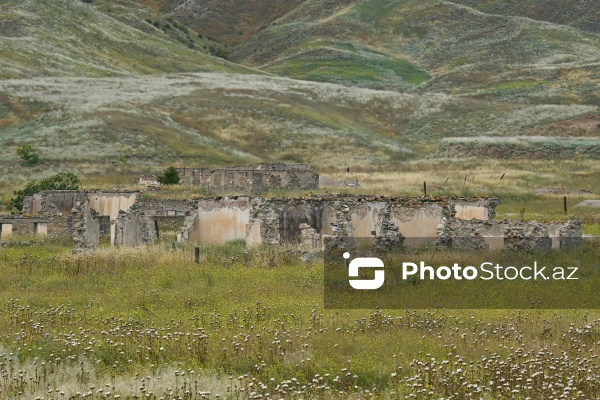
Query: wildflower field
<point x="250" y="323"/>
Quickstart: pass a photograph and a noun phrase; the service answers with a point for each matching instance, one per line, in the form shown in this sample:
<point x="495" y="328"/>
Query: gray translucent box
<point x="421" y="273"/>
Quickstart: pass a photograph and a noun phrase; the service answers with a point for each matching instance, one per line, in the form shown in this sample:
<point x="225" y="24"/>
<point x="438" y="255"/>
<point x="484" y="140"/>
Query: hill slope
<point x="230" y="21"/>
<point x="72" y="38"/>
<point x="97" y="125"/>
<point x="438" y="45"/>
<point x="102" y="90"/>
<point x="581" y="14"/>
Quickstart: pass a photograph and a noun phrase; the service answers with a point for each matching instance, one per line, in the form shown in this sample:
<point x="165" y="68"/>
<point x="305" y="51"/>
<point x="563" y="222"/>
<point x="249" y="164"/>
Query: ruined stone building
<point x="252" y="178"/>
<point x="126" y="219"/>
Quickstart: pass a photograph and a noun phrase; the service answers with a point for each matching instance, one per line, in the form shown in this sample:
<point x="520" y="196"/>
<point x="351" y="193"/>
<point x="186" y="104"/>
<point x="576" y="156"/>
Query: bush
<point x="169" y="177"/>
<point x="28" y="155"/>
<point x="60" y="181"/>
<point x="218" y="52"/>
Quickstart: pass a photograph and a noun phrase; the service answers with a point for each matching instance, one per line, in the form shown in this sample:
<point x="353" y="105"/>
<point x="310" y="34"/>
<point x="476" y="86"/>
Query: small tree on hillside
<point x="169" y="177"/>
<point x="61" y="181"/>
<point x="28" y="155"/>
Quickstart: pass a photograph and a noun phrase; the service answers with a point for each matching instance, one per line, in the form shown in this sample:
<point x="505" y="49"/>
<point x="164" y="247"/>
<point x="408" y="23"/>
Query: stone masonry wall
<point x="86" y="227"/>
<point x="253" y="178"/>
<point x="512" y="234"/>
<point x="48" y="227"/>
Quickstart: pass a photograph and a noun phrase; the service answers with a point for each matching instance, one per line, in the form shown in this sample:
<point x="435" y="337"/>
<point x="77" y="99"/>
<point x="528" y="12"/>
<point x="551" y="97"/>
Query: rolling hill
<point x="73" y="38"/>
<point x="230" y="21"/>
<point x="120" y="88"/>
<point x="581" y="14"/>
<point x="429" y="46"/>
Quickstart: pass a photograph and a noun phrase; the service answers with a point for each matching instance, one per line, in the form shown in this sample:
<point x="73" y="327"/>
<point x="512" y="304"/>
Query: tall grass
<point x="250" y="322"/>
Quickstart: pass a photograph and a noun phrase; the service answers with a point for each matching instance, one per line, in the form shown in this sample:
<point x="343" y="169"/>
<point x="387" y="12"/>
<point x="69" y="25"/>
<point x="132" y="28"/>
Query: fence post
<point x="197" y="255"/>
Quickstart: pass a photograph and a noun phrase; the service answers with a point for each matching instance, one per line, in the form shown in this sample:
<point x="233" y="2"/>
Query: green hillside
<point x="115" y="89"/>
<point x="73" y="38"/>
<point x="230" y="22"/>
<point x="432" y="45"/>
<point x="581" y="14"/>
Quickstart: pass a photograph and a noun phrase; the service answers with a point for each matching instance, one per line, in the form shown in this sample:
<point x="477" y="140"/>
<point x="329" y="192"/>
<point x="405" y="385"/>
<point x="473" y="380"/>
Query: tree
<point x="60" y="181"/>
<point x="28" y="155"/>
<point x="169" y="177"/>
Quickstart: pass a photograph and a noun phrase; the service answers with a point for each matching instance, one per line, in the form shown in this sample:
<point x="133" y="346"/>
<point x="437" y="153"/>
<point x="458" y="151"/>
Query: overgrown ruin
<point x="252" y="178"/>
<point x="124" y="218"/>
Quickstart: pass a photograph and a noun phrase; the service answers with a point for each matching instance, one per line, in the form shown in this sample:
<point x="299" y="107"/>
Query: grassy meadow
<point x="250" y="323"/>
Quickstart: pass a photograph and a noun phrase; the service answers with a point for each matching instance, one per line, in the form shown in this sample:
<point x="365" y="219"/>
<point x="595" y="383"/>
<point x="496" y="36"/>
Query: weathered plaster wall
<point x="365" y="218"/>
<point x="110" y="204"/>
<point x="6" y="230"/>
<point x="478" y="208"/>
<point x="220" y="220"/>
<point x="54" y="202"/>
<point x="133" y="228"/>
<point x="419" y="223"/>
<point x="61" y="202"/>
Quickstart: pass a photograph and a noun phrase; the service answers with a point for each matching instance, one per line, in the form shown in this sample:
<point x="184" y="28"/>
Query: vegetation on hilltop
<point x="72" y="38"/>
<point x="431" y="46"/>
<point x="230" y="22"/>
<point x="581" y="14"/>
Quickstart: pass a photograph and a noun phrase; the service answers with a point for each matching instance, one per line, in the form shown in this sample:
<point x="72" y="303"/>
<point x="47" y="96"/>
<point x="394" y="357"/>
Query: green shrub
<point x="169" y="177"/>
<point x="28" y="155"/>
<point x="60" y="181"/>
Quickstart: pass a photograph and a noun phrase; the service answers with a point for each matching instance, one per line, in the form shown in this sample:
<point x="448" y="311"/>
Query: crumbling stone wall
<point x="252" y="178"/>
<point x="86" y="227"/>
<point x="280" y="220"/>
<point x="291" y="220"/>
<point x="389" y="221"/>
<point x="53" y="202"/>
<point x="164" y="207"/>
<point x="134" y="228"/>
<point x="50" y="227"/>
<point x="566" y="235"/>
<point x="165" y="216"/>
<point x="513" y="234"/>
<point x="62" y="202"/>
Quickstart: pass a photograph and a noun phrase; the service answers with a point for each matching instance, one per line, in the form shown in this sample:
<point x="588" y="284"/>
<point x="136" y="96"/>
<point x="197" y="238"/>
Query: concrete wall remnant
<point x="475" y="208"/>
<point x="62" y="202"/>
<point x="5" y="230"/>
<point x="133" y="229"/>
<point x="20" y="225"/>
<point x="221" y="220"/>
<point x="252" y="178"/>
